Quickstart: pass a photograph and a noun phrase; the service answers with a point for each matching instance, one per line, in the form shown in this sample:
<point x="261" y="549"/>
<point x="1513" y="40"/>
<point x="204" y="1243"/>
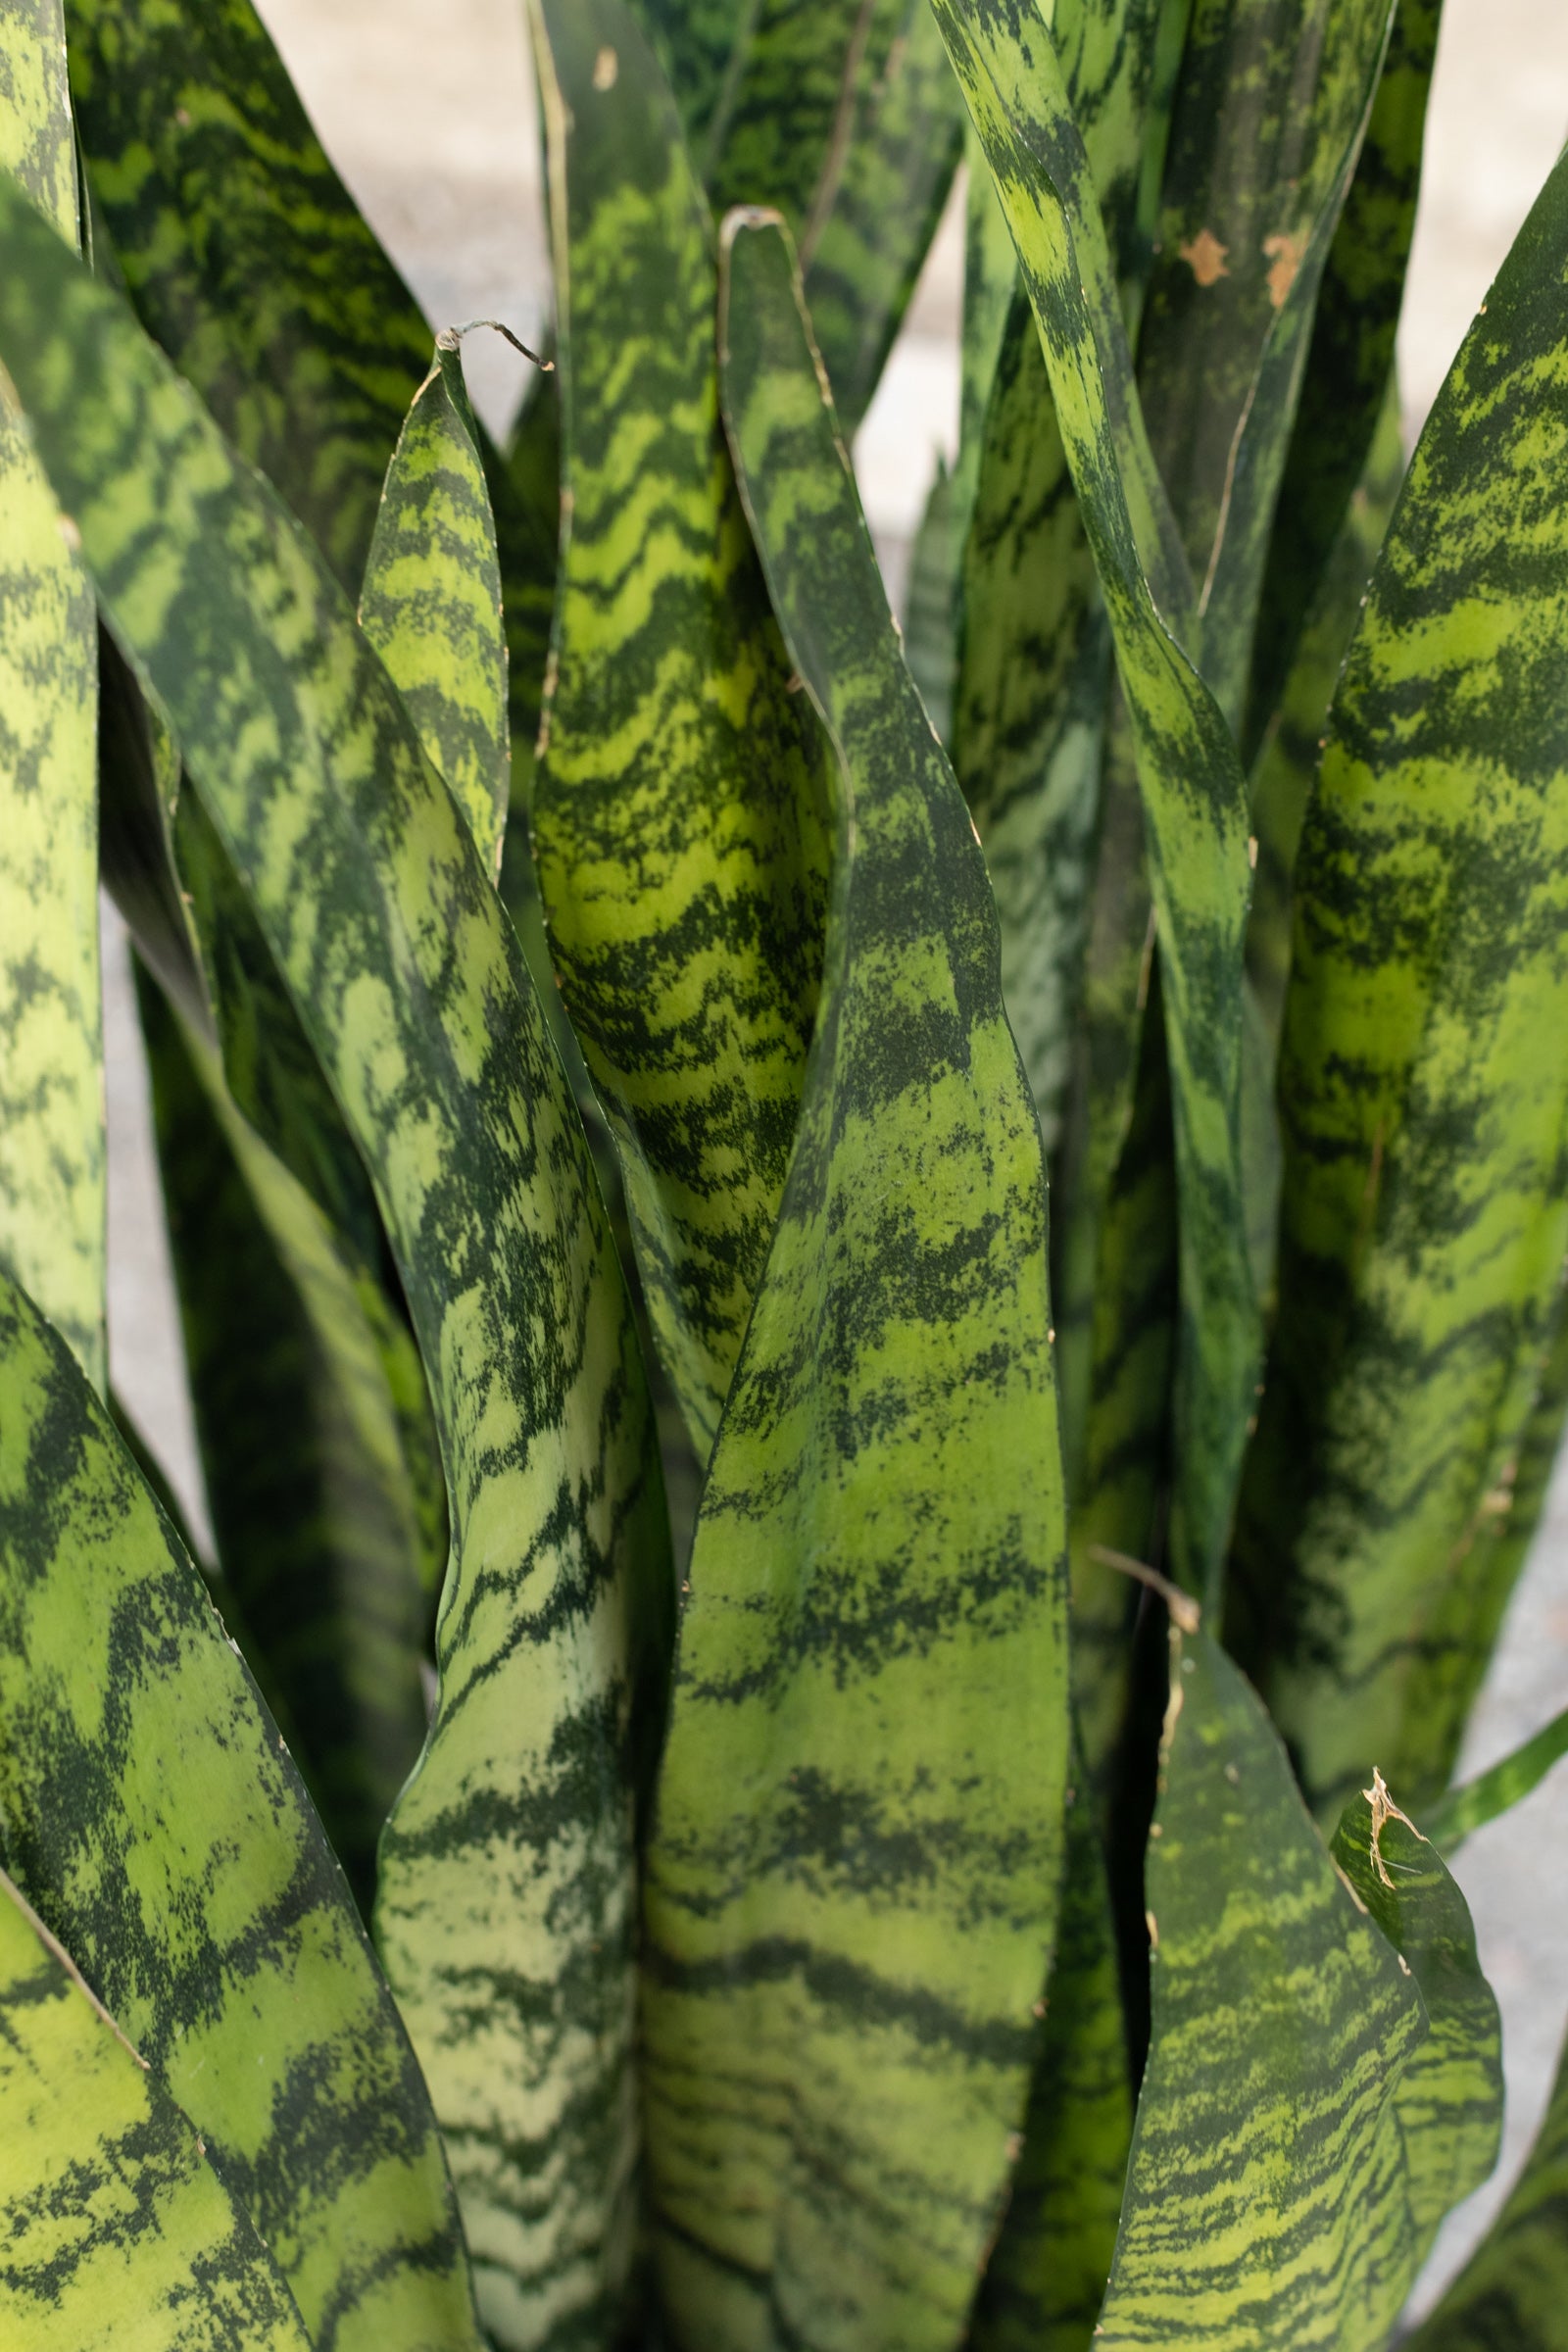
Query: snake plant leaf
<point x="431" y="604"/>
<point x="1279" y="2189"/>
<point x="1424" y="1220"/>
<point x="154" y="1821"/>
<point x="52" y="1165"/>
<point x="1046" y="2279"/>
<point x="1269" y="113"/>
<point x="902" y="133"/>
<point x="852" y="1880"/>
<point x="1450" y="2097"/>
<point x="1350" y="369"/>
<point x="1510" y="2295"/>
<point x="1192" y="793"/>
<point x="505" y="1903"/>
<point x="244" y="254"/>
<point x="843" y="114"/>
<point x="679" y="801"/>
<point x="1466" y="1809"/>
<point x="110" y="2217"/>
<point x="317" y="1522"/>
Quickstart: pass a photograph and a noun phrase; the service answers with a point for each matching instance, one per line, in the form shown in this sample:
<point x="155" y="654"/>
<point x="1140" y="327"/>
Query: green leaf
<point x="1466" y="1809"/>
<point x="244" y="254"/>
<point x="52" y="1171"/>
<point x="1046" y="2279"/>
<point x="1350" y="369"/>
<point x="1424" y="1221"/>
<point x="153" y="1818"/>
<point x="679" y="804"/>
<point x="430" y="602"/>
<point x="843" y="114"/>
<point x="313" y="1512"/>
<point x="852" y="1882"/>
<point x="111" y="2219"/>
<point x="506" y="1895"/>
<point x="1510" y="2296"/>
<point x="1450" y="2097"/>
<point x="1293" y="2126"/>
<point x="1191" y="786"/>
<point x="1270" y="108"/>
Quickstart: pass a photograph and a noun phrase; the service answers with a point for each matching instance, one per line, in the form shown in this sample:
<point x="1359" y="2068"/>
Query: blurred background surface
<point x="426" y="107"/>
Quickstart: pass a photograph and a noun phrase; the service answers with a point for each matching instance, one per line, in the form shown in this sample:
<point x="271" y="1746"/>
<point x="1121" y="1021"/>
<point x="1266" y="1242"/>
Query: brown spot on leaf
<point x="606" y="64"/>
<point x="1204" y="256"/>
<point x="1286" y="253"/>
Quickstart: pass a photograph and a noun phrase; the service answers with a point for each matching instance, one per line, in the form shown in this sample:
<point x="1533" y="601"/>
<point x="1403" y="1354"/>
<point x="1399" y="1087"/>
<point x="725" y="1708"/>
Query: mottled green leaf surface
<point x="1306" y="2084"/>
<point x="155" y="1823"/>
<point x="852" y="1882"/>
<point x="430" y="602"/>
<point x="1424" y="1085"/>
<point x="312" y="1508"/>
<point x="680" y="801"/>
<point x="1191" y="786"/>
<point x="1512" y="2295"/>
<point x="52" y="1199"/>
<point x="111" y="2219"/>
<point x="504" y="1908"/>
<point x="1349" y="367"/>
<point x="1046" y="2279"/>
<point x="1502" y="1785"/>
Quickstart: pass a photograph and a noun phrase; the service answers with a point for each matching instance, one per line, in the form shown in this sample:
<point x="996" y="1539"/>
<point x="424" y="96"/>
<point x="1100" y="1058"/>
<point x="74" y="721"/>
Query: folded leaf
<point x="52" y="1172"/>
<point x="111" y="2220"/>
<point x="430" y="602"/>
<point x="1512" y="2295"/>
<point x="680" y="804"/>
<point x="155" y="1821"/>
<point x="1424" y="1085"/>
<point x="1292" y="2138"/>
<point x="506" y="1899"/>
<point x="1189" y="782"/>
<point x="852" y="1882"/>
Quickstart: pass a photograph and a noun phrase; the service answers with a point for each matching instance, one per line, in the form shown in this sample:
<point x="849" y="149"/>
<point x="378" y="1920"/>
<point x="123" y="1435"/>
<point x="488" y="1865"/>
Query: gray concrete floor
<point x="428" y="110"/>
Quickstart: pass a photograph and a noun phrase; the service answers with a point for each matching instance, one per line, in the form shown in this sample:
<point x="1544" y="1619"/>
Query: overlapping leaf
<point x="155" y="1823"/>
<point x="1310" y="2099"/>
<point x="1425" y="1088"/>
<point x="852" y="1882"/>
<point x="1189" y="782"/>
<point x="109" y="2212"/>
<point x="505" y="1898"/>
<point x="52" y="1177"/>
<point x="680" y="804"/>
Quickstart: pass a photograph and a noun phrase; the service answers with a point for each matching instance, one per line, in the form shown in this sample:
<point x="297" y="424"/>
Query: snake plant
<point x="876" y="1320"/>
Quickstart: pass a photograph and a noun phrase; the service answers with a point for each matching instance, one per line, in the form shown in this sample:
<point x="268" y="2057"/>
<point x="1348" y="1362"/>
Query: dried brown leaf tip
<point x="1205" y="256"/>
<point x="1384" y="1810"/>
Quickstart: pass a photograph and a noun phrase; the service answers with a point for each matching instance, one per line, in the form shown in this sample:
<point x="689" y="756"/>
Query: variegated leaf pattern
<point x="1468" y="1808"/>
<point x="110" y="2215"/>
<point x="843" y="114"/>
<point x="1046" y="2279"/>
<point x="1269" y="112"/>
<point x="430" y="602"/>
<point x="1424" y="1087"/>
<point x="52" y="1172"/>
<point x="506" y="1902"/>
<point x="315" y="1521"/>
<point x="1295" y="2117"/>
<point x="1191" y="786"/>
<point x="851" y="1881"/>
<point x="1349" y="377"/>
<point x="680" y="814"/>
<point x="1510" y="2295"/>
<point x="153" y="1818"/>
